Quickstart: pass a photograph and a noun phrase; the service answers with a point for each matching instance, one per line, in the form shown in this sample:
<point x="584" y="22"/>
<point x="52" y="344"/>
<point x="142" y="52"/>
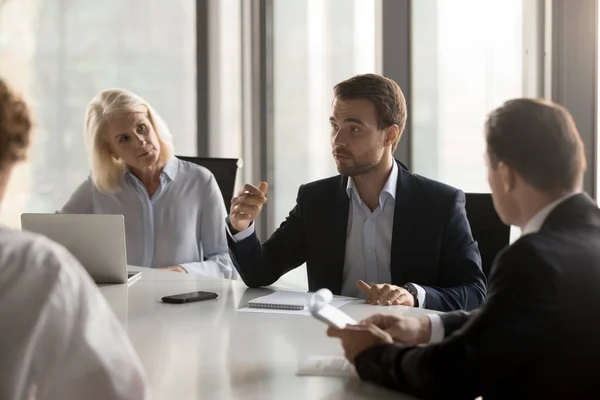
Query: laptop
<point x="96" y="240"/>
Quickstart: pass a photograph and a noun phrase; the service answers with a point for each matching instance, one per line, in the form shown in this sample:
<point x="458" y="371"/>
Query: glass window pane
<point x="598" y="124"/>
<point x="225" y="73"/>
<point x="316" y="45"/>
<point x="467" y="60"/>
<point x="60" y="53"/>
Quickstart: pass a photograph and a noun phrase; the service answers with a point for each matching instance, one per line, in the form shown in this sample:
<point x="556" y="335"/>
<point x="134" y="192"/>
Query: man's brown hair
<point x="15" y="127"/>
<point x="384" y="93"/>
<point x="539" y="140"/>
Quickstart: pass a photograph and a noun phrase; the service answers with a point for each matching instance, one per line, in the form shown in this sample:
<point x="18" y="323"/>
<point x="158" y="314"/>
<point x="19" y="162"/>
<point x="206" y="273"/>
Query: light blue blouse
<point x="183" y="223"/>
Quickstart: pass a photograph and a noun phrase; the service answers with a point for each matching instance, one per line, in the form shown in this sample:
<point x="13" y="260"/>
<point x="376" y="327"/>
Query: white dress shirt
<point x="183" y="223"/>
<point x="58" y="337"/>
<point x="533" y="225"/>
<point x="368" y="239"/>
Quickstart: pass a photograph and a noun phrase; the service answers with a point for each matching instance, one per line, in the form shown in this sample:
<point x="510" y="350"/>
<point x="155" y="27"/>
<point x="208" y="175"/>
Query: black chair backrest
<point x="491" y="234"/>
<point x="224" y="170"/>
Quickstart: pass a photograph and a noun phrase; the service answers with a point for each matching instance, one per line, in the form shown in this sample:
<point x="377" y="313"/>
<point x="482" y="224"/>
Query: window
<point x="597" y="133"/>
<point x="60" y="53"/>
<point x="467" y="60"/>
<point x="316" y="45"/>
<point x="225" y="78"/>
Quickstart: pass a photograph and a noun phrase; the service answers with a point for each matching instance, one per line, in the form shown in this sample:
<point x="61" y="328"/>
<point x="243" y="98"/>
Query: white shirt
<point x="58" y="337"/>
<point x="368" y="239"/>
<point x="533" y="226"/>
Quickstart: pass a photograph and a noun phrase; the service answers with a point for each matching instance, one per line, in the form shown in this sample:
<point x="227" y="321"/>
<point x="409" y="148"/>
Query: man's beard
<point x="356" y="169"/>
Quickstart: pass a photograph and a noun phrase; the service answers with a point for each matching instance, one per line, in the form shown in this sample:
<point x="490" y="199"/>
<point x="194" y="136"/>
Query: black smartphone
<point x="189" y="297"/>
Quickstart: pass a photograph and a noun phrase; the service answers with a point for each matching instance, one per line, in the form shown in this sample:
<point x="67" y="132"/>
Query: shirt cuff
<point x="437" y="329"/>
<point x="238" y="237"/>
<point x="420" y="295"/>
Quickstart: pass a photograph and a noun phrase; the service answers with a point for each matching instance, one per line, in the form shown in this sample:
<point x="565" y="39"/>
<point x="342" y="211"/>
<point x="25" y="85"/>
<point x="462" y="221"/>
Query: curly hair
<point x="15" y="127"/>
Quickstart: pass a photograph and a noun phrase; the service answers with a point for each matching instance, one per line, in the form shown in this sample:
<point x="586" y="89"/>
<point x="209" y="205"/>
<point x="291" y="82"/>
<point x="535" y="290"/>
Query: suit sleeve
<point x="455" y="320"/>
<point x="500" y="339"/>
<point x="263" y="264"/>
<point x="463" y="283"/>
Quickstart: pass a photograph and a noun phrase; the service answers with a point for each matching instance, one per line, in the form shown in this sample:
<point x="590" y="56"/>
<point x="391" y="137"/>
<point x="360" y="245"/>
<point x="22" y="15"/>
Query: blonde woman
<point x="174" y="212"/>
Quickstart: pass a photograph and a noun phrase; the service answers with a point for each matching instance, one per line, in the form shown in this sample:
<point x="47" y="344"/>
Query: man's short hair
<point x="384" y="93"/>
<point x="539" y="140"/>
<point x="15" y="127"/>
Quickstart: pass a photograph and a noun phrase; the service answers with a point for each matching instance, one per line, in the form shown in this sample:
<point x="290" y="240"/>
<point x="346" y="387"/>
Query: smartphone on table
<point x="189" y="297"/>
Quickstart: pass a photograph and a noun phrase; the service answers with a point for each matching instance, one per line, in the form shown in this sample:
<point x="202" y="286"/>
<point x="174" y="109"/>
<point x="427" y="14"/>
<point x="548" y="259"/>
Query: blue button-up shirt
<point x="369" y="239"/>
<point x="183" y="223"/>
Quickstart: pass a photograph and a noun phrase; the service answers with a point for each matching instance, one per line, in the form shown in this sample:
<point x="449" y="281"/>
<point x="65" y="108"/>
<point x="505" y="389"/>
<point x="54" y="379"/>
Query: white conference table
<point x="208" y="350"/>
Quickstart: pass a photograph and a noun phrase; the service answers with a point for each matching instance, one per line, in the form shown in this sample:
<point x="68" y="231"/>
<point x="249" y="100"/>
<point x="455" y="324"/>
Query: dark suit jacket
<point x="432" y="244"/>
<point x="538" y="334"/>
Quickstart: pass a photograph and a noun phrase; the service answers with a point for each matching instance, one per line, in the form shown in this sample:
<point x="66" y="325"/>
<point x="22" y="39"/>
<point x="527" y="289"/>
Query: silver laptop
<point x="96" y="240"/>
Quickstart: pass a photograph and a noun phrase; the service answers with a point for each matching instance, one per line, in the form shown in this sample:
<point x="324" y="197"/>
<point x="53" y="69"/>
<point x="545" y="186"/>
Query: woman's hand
<point x="175" y="268"/>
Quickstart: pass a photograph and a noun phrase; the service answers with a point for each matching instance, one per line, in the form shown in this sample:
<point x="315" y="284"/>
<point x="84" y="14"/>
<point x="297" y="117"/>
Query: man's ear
<point x="392" y="135"/>
<point x="508" y="177"/>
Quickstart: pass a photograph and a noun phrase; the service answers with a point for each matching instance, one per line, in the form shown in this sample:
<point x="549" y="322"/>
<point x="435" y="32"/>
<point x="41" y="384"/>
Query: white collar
<point x="389" y="187"/>
<point x="169" y="170"/>
<point x="536" y="222"/>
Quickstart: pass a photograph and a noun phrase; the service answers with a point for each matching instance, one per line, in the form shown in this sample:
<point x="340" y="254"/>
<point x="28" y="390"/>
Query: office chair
<point x="224" y="170"/>
<point x="491" y="234"/>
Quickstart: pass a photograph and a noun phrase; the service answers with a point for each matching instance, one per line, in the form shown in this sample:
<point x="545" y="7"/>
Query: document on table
<point x="284" y="302"/>
<point x="327" y="366"/>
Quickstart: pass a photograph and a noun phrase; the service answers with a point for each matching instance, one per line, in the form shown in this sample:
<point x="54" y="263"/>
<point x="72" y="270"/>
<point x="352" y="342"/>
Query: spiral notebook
<point x="296" y="301"/>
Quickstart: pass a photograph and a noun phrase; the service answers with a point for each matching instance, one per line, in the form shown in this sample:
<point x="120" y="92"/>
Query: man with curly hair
<point x="58" y="337"/>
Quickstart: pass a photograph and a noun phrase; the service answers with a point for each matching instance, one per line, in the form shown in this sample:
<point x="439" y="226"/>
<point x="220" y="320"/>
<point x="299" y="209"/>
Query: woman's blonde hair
<point x="107" y="171"/>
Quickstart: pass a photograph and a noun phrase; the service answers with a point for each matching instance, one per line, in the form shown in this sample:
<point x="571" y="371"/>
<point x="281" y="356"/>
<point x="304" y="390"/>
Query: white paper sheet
<point x="327" y="366"/>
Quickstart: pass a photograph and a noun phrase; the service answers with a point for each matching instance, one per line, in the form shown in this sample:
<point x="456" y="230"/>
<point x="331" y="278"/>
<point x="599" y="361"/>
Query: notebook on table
<point x="296" y="301"/>
<point x="284" y="302"/>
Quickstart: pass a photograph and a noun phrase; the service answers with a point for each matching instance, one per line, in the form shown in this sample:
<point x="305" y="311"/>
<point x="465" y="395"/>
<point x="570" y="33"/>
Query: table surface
<point x="208" y="350"/>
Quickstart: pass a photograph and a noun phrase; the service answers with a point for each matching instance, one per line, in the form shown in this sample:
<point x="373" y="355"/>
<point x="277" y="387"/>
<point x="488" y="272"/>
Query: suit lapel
<point x="406" y="218"/>
<point x="340" y="224"/>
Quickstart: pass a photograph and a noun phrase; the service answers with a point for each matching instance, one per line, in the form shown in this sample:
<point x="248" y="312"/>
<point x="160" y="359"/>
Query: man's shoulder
<point x="431" y="187"/>
<point x="28" y="252"/>
<point x="323" y="186"/>
<point x="540" y="252"/>
<point x="417" y="184"/>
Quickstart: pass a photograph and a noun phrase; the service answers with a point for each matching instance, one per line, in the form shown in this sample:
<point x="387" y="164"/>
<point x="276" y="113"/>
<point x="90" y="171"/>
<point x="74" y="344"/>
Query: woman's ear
<point x="106" y="148"/>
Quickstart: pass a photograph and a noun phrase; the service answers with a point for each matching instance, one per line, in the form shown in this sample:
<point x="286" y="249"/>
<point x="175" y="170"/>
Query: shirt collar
<point x="536" y="222"/>
<point x="169" y="170"/>
<point x="389" y="187"/>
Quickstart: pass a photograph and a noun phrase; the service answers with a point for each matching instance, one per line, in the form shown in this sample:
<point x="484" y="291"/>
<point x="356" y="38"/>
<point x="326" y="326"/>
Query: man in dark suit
<point x="538" y="333"/>
<point x="375" y="222"/>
